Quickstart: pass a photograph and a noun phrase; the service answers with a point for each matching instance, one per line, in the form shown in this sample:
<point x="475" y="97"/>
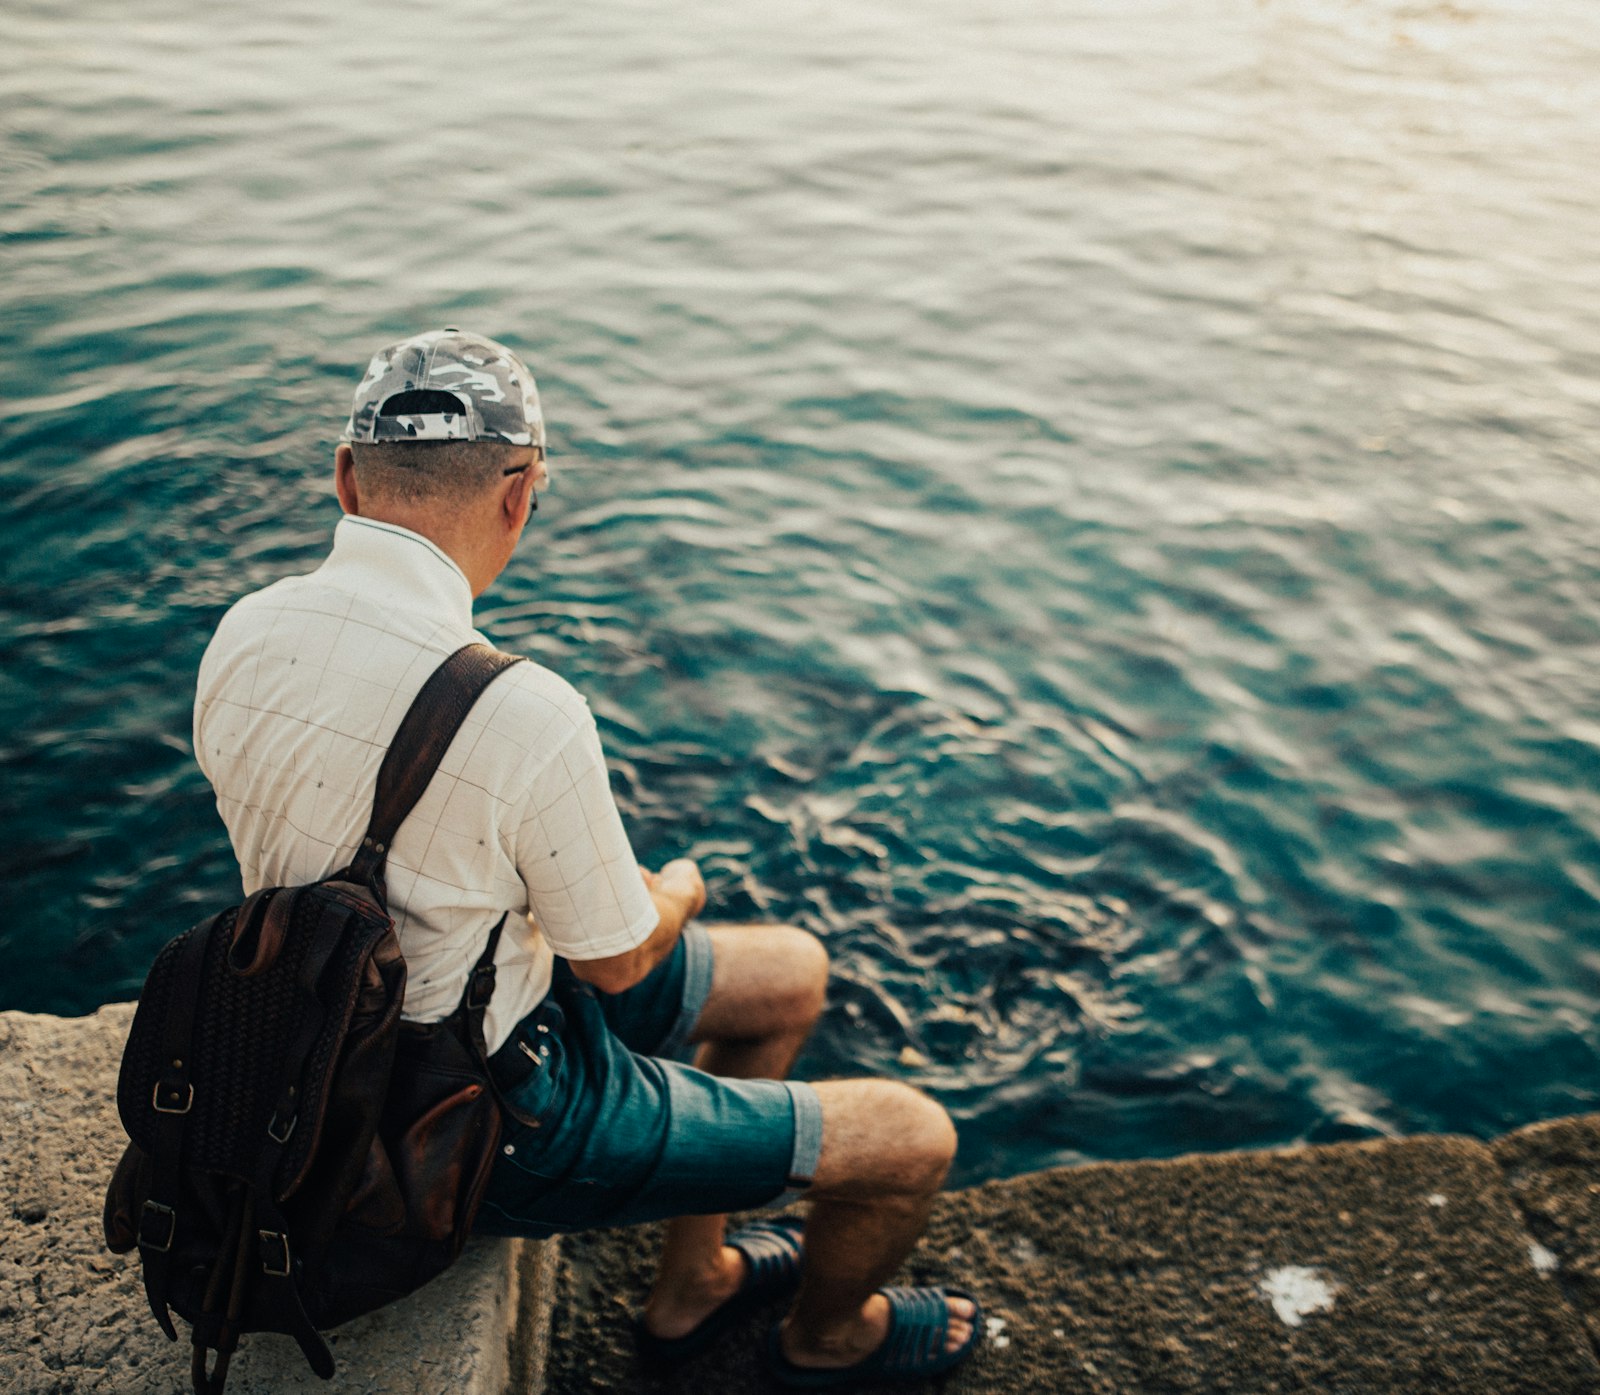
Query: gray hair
<point x="431" y="472"/>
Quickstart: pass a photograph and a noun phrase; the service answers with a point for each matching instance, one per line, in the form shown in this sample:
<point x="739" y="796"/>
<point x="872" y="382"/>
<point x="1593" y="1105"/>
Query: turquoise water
<point x="1088" y="508"/>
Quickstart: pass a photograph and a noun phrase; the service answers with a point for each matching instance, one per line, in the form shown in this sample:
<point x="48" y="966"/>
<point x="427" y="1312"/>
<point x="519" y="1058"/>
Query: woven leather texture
<point x="247" y="1025"/>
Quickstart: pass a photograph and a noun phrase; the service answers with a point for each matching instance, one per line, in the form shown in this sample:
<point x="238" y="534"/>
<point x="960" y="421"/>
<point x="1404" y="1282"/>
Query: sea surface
<point x="1089" y="508"/>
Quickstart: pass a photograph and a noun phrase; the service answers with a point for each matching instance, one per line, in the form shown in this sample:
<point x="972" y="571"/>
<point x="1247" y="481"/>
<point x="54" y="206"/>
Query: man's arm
<point x="679" y="895"/>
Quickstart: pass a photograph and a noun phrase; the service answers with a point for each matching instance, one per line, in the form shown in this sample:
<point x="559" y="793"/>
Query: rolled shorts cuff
<point x="697" y="970"/>
<point x="807" y="1141"/>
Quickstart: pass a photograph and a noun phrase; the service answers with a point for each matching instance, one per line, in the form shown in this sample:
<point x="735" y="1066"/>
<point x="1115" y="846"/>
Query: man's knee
<point x="804" y="976"/>
<point x="882" y="1136"/>
<point x="811" y="975"/>
<point x="931" y="1136"/>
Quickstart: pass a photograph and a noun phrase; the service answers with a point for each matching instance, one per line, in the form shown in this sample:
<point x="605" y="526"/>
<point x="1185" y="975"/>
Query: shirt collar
<point x="410" y="571"/>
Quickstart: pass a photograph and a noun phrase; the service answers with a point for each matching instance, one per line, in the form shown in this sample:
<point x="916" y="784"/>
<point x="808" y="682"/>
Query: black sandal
<point x="772" y="1252"/>
<point x="913" y="1348"/>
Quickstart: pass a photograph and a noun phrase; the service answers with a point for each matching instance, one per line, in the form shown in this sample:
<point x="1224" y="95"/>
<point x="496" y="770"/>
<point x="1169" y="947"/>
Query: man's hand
<point x="679" y="883"/>
<point x="679" y="894"/>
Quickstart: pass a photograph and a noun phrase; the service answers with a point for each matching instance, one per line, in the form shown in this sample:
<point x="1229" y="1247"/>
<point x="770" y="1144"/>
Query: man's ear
<point x="514" y="503"/>
<point x="344" y="480"/>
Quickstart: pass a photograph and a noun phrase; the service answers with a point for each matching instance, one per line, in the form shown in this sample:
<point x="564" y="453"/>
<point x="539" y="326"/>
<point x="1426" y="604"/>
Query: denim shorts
<point x="607" y="1126"/>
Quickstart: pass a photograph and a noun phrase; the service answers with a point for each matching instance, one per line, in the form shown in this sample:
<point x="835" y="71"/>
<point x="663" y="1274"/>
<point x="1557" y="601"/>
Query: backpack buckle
<point x="151" y="1215"/>
<point x="279" y="1133"/>
<point x="274" y="1253"/>
<point x="480" y="987"/>
<point x="176" y="1103"/>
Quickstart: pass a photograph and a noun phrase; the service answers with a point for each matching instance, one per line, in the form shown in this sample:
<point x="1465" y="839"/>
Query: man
<point x="605" y="977"/>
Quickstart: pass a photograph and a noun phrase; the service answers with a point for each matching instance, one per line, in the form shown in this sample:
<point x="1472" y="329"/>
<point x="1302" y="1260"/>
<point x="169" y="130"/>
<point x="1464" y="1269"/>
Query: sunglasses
<point x="519" y="469"/>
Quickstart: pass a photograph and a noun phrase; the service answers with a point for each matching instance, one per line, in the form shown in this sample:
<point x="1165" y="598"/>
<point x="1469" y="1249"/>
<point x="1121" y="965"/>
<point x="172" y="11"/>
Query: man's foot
<point x="902" y="1333"/>
<point x="759" y="1262"/>
<point x="673" y="1312"/>
<point x="861" y="1340"/>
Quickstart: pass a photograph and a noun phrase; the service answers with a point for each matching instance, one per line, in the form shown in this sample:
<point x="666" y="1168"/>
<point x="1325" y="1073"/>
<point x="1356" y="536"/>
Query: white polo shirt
<point x="301" y="690"/>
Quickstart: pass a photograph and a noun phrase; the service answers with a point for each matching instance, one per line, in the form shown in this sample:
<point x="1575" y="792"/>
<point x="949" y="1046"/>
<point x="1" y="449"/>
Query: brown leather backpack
<point x="299" y="1155"/>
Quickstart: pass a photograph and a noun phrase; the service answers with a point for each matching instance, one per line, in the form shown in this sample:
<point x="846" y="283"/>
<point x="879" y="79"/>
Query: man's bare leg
<point x="885" y="1151"/>
<point x="766" y="994"/>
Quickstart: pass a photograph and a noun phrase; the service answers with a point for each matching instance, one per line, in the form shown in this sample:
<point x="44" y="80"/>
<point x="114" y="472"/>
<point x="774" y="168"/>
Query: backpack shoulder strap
<point x="425" y="734"/>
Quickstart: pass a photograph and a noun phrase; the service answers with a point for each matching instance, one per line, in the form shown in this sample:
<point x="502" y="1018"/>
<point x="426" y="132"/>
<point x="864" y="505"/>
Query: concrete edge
<point x="527" y="1343"/>
<point x="1552" y="1172"/>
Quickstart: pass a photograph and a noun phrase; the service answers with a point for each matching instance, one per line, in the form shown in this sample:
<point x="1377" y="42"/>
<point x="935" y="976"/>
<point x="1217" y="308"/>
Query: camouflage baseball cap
<point x="446" y="385"/>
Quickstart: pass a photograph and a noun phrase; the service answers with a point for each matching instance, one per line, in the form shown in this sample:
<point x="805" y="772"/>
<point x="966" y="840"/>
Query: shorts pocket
<point x="534" y="1100"/>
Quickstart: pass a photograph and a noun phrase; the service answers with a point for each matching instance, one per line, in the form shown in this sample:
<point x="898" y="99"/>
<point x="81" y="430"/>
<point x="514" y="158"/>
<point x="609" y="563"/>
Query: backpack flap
<point x="273" y="990"/>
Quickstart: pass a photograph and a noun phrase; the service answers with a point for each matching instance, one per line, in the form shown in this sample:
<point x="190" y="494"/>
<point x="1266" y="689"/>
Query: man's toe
<point x="960" y="1329"/>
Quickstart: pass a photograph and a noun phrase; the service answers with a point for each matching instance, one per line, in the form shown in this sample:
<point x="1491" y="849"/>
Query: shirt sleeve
<point x="204" y="692"/>
<point x="584" y="888"/>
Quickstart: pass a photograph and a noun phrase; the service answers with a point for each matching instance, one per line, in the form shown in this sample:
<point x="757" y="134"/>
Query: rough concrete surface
<point x="1427" y="1265"/>
<point x="73" y="1317"/>
<point x="529" y="1348"/>
<point x="1399" y="1267"/>
<point x="1553" y="1172"/>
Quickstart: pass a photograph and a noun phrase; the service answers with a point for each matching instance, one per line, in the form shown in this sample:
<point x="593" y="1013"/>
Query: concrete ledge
<point x="1387" y="1267"/>
<point x="73" y="1317"/>
<point x="1413" y="1267"/>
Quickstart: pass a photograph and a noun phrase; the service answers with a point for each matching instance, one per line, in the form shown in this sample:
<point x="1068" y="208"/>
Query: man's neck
<point x="462" y="545"/>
